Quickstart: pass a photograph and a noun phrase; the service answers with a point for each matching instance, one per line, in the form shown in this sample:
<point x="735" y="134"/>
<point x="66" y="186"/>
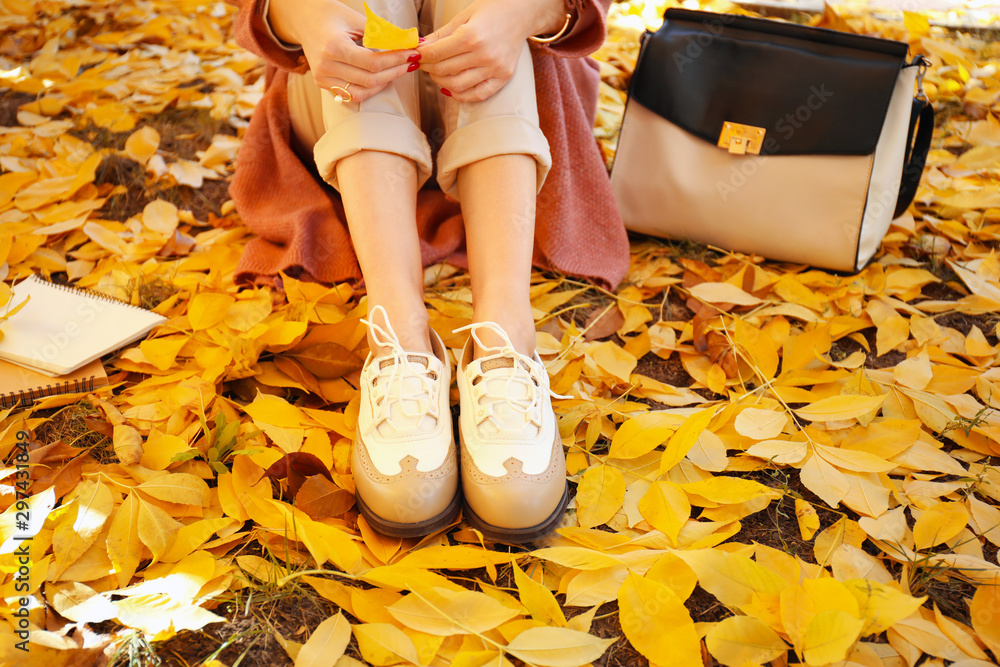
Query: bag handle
<point x="917" y="147"/>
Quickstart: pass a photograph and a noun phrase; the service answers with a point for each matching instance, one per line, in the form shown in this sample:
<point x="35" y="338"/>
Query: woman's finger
<point x="335" y="74"/>
<point x="441" y="46"/>
<point x="372" y="61"/>
<point x="357" y="94"/>
<point x="346" y="51"/>
<point x="360" y="84"/>
<point x="465" y="80"/>
<point x="444" y="31"/>
<point x="451" y="66"/>
<point x="481" y="91"/>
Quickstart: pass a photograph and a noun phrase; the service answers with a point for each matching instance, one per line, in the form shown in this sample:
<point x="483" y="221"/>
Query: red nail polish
<point x="413" y="67"/>
<point x="421" y="40"/>
<point x="445" y="91"/>
<point x="415" y="58"/>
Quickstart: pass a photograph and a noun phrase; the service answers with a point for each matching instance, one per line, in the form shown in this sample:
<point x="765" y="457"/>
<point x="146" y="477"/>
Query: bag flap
<point x="813" y="91"/>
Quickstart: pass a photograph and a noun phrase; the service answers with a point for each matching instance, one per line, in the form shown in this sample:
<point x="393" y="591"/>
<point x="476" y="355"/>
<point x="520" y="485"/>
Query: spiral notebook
<point x="64" y="328"/>
<point x="20" y="386"/>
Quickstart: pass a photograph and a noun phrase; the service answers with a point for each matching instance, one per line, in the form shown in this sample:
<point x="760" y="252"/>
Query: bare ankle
<point x="411" y="326"/>
<point x="521" y="332"/>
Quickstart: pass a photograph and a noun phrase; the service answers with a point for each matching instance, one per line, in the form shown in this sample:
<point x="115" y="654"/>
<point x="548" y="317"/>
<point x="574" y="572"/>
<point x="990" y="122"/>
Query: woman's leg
<point x="498" y="205"/>
<point x="513" y="464"/>
<point x="494" y="161"/>
<point x="375" y="154"/>
<point x="403" y="456"/>
<point x="379" y="191"/>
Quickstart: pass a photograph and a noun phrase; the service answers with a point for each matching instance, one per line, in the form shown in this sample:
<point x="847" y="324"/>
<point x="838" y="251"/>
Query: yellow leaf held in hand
<point x="381" y="34"/>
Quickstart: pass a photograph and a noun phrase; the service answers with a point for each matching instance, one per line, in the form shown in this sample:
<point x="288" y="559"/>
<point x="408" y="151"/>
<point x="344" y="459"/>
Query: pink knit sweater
<point x="299" y="220"/>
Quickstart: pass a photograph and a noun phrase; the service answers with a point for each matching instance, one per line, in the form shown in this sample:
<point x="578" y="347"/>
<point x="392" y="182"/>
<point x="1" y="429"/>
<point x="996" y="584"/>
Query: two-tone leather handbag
<point x="796" y="143"/>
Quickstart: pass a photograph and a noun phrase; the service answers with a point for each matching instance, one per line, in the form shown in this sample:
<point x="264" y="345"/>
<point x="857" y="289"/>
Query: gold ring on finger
<point x="341" y="94"/>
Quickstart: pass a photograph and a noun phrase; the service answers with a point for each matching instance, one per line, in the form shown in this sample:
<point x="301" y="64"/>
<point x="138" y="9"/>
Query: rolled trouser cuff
<point x="489" y="137"/>
<point x="371" y="131"/>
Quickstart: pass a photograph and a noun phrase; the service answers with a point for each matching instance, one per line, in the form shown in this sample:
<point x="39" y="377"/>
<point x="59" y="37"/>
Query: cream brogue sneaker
<point x="513" y="465"/>
<point x="403" y="458"/>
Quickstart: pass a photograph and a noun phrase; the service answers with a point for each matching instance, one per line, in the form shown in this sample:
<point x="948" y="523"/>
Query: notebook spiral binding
<point x="94" y="294"/>
<point x="26" y="398"/>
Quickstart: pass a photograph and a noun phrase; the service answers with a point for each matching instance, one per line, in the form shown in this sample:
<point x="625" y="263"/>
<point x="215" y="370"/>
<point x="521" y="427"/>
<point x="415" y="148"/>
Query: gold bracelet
<point x="549" y="40"/>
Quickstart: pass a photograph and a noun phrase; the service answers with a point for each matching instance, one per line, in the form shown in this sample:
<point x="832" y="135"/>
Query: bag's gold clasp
<point x="741" y="139"/>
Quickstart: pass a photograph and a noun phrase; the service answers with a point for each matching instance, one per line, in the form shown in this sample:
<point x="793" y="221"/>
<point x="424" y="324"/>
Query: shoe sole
<point x="519" y="535"/>
<point x="418" y="529"/>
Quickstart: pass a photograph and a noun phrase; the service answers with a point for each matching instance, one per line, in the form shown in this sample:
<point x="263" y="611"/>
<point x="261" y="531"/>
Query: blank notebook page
<point x="62" y="328"/>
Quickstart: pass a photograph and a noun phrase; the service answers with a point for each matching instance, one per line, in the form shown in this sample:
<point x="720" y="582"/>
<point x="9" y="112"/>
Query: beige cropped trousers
<point x="411" y="115"/>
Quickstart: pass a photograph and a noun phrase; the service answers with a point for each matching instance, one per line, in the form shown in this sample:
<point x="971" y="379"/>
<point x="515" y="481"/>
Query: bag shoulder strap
<point x="918" y="144"/>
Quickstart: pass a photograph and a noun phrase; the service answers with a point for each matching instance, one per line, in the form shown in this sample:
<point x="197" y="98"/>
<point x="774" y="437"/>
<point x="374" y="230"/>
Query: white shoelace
<point x="530" y="403"/>
<point x="392" y="388"/>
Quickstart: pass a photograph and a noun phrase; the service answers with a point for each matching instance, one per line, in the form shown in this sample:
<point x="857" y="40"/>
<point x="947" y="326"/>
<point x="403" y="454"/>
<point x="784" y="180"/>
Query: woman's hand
<point x="328" y="30"/>
<point x="476" y="53"/>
